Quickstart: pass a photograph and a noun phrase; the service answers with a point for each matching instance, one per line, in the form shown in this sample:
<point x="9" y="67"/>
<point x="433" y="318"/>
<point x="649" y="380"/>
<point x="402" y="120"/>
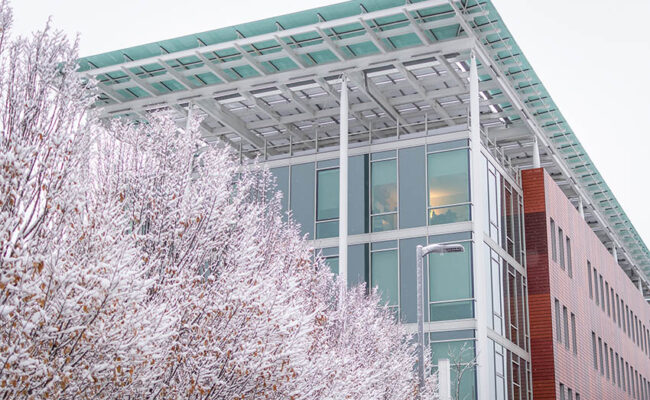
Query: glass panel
<point x="327" y="229"/>
<point x="448" y="179"/>
<point x="384" y="222"/>
<point x="451" y="310"/>
<point x="333" y="263"/>
<point x="450" y="278"/>
<point x="384" y="186"/>
<point x="446" y="215"/>
<point x="327" y="199"/>
<point x="383" y="275"/>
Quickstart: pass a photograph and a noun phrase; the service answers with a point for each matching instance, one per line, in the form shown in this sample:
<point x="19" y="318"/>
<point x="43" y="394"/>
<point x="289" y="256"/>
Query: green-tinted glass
<point x="385" y="222"/>
<point x="327" y="229"/>
<point x="450" y="275"/>
<point x="384" y="275"/>
<point x="448" y="174"/>
<point x="333" y="263"/>
<point x="327" y="197"/>
<point x="451" y="310"/>
<point x="456" y="351"/>
<point x="446" y="215"/>
<point x="384" y="186"/>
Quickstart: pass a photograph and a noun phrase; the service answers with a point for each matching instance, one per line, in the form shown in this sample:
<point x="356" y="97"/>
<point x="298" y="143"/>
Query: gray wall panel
<point x="302" y="197"/>
<point x="412" y="187"/>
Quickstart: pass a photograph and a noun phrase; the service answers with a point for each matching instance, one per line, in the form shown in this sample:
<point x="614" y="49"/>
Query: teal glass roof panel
<point x="364" y="48"/>
<point x="244" y="71"/>
<point x="321" y="57"/>
<point x="405" y="40"/>
<point x="280" y="64"/>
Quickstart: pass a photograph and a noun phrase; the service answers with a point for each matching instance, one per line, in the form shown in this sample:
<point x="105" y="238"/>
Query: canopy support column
<point x="343" y="183"/>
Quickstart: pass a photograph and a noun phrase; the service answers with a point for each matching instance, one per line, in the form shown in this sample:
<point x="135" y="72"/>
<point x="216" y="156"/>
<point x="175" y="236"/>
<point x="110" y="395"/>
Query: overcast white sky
<point x="592" y="55"/>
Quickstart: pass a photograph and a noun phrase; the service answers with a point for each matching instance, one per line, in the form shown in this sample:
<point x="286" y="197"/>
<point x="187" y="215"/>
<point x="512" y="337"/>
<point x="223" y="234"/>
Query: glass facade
<point x="448" y="186"/>
<point x="403" y="197"/>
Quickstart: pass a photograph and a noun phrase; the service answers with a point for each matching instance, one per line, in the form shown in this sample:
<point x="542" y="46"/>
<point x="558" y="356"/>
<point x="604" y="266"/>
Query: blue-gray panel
<point x="408" y="279"/>
<point x="357" y="264"/>
<point x="302" y="197"/>
<point x="282" y="181"/>
<point x="412" y="188"/>
<point x="358" y="194"/>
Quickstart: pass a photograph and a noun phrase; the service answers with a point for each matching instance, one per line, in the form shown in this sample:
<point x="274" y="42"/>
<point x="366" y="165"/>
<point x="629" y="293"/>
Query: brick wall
<point x="552" y="362"/>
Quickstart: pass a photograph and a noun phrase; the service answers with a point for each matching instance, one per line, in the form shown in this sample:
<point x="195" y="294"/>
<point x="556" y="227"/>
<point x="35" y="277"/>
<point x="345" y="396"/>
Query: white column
<point x="343" y="183"/>
<point x="479" y="215"/>
<point x="581" y="207"/>
<point x="189" y="117"/>
<point x="536" y="162"/>
<point x="444" y="379"/>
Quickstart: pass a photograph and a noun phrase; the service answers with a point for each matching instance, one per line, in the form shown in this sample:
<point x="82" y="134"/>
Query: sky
<point x="593" y="56"/>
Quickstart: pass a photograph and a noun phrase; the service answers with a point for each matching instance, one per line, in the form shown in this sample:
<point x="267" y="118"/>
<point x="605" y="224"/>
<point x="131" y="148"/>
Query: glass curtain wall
<point x="384" y="272"/>
<point x="383" y="191"/>
<point x="448" y="183"/>
<point x="450" y="285"/>
<point x="327" y="203"/>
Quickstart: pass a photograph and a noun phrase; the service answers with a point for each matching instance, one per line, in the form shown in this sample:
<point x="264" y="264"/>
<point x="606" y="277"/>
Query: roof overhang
<point x="272" y="92"/>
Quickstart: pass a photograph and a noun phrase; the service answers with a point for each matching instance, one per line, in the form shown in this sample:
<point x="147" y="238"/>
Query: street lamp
<point x="420" y="252"/>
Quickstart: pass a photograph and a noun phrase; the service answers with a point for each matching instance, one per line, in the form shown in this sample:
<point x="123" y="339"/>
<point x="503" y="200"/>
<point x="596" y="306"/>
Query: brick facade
<point x="555" y="361"/>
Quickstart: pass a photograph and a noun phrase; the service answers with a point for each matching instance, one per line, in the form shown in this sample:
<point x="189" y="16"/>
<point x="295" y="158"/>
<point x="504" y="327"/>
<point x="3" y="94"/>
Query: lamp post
<point x="420" y="252"/>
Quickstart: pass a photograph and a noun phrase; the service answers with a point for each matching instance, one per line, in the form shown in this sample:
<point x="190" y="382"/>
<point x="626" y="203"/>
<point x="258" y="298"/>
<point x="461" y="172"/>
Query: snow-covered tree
<point x="139" y="262"/>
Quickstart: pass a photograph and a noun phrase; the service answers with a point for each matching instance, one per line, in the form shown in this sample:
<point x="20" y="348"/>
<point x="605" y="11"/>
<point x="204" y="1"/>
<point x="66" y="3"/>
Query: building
<point x="451" y="138"/>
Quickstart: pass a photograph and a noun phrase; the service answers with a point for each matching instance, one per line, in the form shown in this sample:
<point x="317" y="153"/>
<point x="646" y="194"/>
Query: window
<point x="561" y="242"/>
<point x="553" y="244"/>
<point x="594" y="351"/>
<point x="570" y="394"/>
<point x="623" y="380"/>
<point x="600" y="356"/>
<point x="602" y="294"/>
<point x="569" y="261"/>
<point x="611" y="296"/>
<point x="333" y="263"/>
<point x="450" y="285"/>
<point x="591" y="292"/>
<point x="384" y="272"/>
<point x="618" y="371"/>
<point x="618" y="310"/>
<point x="383" y="192"/>
<point x="607" y="295"/>
<point x="627" y="317"/>
<point x="606" y="361"/>
<point x="327" y="203"/>
<point x="558" y="321"/>
<point x="565" y="315"/>
<point x="573" y="333"/>
<point x="448" y="185"/>
<point x="562" y="392"/>
<point x="596" y="285"/>
<point x="611" y="360"/>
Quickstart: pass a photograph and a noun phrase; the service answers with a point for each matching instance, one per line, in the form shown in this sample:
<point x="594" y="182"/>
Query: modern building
<point x="392" y="123"/>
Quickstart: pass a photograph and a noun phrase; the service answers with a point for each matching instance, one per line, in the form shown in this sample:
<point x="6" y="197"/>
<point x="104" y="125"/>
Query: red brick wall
<point x="552" y="363"/>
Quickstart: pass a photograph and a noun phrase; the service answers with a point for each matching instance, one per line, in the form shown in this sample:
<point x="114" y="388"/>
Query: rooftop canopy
<point x="270" y="88"/>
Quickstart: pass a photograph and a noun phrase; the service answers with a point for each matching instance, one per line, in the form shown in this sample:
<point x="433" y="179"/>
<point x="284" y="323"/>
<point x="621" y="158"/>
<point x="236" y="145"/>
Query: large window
<point x="384" y="272"/>
<point x="327" y="203"/>
<point x="450" y="285"/>
<point x="448" y="186"/>
<point x="459" y="348"/>
<point x="383" y="181"/>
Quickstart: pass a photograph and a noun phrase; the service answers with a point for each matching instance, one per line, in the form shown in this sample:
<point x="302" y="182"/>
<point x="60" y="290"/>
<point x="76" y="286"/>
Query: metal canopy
<point x="270" y="89"/>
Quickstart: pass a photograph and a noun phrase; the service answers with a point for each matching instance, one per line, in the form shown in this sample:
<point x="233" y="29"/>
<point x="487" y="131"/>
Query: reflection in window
<point x="327" y="203"/>
<point x="461" y="353"/>
<point x="448" y="180"/>
<point x="450" y="285"/>
<point x="383" y="276"/>
<point x="384" y="195"/>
